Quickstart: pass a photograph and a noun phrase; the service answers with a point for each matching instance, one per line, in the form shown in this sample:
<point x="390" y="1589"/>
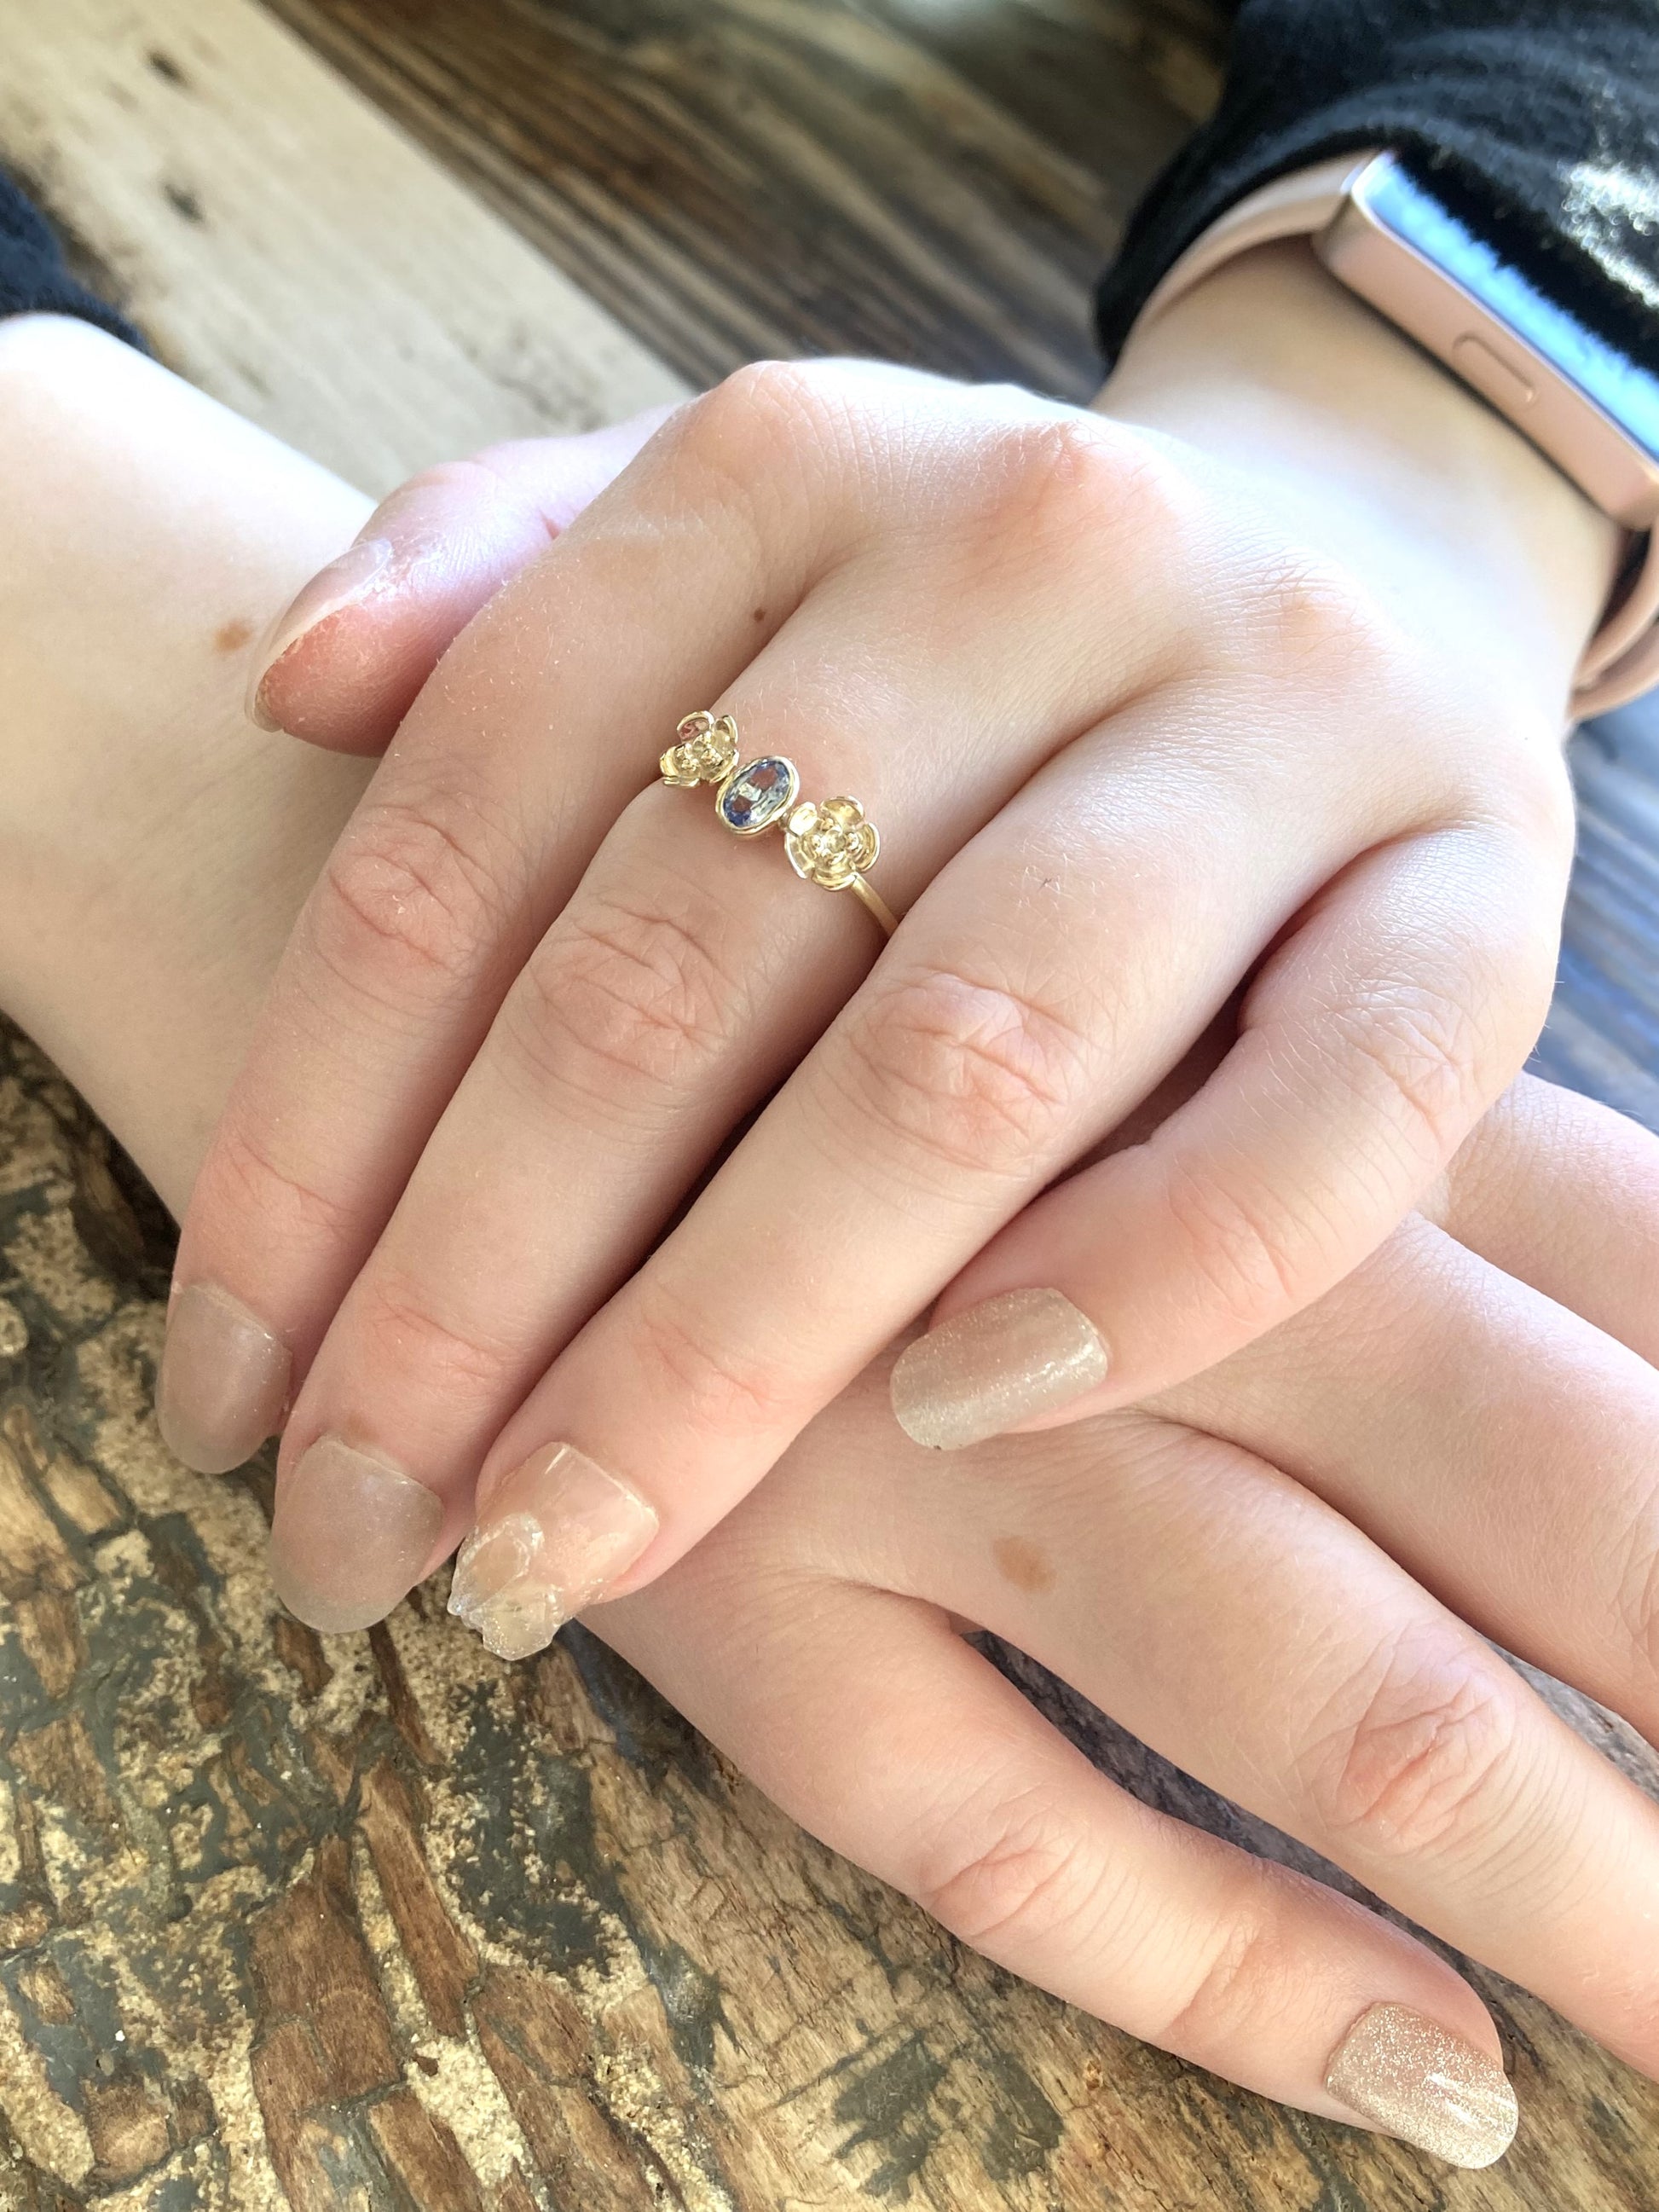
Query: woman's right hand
<point x="1280" y="1578"/>
<point x="1092" y="668"/>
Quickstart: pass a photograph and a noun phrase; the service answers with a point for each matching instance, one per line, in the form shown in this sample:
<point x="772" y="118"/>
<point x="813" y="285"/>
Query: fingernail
<point x="224" y="1380"/>
<point x="349" y="1537"/>
<point x="555" y="1536"/>
<point x="1406" y="2073"/>
<point x="339" y="585"/>
<point x="986" y="1370"/>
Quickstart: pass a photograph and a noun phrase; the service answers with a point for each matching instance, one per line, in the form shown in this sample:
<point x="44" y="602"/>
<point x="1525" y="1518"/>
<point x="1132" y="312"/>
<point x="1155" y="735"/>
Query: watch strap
<point x="1621" y="661"/>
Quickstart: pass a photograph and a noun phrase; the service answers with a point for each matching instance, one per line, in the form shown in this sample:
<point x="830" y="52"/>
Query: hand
<point x="1280" y="1578"/>
<point x="1138" y="718"/>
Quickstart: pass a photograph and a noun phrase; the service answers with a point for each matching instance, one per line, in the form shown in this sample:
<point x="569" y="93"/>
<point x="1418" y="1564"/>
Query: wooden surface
<point x="290" y="251"/>
<point x="936" y="181"/>
<point x="373" y="1922"/>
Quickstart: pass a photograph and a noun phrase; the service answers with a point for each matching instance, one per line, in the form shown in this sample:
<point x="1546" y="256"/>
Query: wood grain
<point x="1602" y="1035"/>
<point x="749" y="177"/>
<point x="373" y="1922"/>
<point x="288" y="250"/>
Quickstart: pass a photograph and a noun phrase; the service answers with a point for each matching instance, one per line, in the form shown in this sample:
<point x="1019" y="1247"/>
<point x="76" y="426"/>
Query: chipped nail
<point x="558" y="1532"/>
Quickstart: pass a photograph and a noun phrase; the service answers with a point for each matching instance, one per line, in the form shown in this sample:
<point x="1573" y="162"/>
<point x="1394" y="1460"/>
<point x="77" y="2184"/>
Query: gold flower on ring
<point x="706" y="751"/>
<point x="831" y="844"/>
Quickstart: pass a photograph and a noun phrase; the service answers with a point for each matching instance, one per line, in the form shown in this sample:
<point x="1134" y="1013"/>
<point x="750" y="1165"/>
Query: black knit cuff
<point x="1536" y="121"/>
<point x="33" y="279"/>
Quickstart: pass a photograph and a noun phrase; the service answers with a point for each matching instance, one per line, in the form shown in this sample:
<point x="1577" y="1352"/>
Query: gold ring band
<point x="831" y="845"/>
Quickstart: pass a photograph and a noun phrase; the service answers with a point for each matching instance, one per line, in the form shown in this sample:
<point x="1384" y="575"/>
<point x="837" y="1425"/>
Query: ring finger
<point x="643" y="1026"/>
<point x="545" y="721"/>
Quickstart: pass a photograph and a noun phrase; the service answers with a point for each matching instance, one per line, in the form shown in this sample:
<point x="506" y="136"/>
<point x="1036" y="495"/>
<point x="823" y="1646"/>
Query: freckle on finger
<point x="1022" y="1563"/>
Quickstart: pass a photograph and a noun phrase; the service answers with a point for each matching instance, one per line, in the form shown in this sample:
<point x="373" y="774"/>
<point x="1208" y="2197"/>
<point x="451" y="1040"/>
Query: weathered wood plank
<point x="753" y="176"/>
<point x="287" y="248"/>
<point x="1603" y="1030"/>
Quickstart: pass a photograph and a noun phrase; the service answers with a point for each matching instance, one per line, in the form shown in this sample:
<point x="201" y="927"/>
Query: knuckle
<point x="399" y="1335"/>
<point x="469" y="475"/>
<point x="1247" y="1242"/>
<point x="1241" y="1982"/>
<point x="622" y="998"/>
<point x="253" y="1185"/>
<point x="406" y="904"/>
<point x="1078" y="485"/>
<point x="963" y="1076"/>
<point x="466" y="488"/>
<point x="1422" y="1050"/>
<point x="1015" y="1877"/>
<point x="763" y="407"/>
<point x="717" y="1390"/>
<point x="1299" y="611"/>
<point x="1530" y="797"/>
<point x="1418" y="1747"/>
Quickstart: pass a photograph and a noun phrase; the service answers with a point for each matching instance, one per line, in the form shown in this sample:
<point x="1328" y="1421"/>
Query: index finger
<point x="514" y="762"/>
<point x="345" y="661"/>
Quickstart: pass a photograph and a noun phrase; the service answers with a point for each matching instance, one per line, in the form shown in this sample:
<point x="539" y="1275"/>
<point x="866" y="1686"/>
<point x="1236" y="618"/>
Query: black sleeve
<point x="33" y="279"/>
<point x="1537" y="121"/>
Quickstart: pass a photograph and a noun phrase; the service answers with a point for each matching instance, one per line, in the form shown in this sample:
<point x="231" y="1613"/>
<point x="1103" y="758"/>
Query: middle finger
<point x="540" y="724"/>
<point x="1049" y="976"/>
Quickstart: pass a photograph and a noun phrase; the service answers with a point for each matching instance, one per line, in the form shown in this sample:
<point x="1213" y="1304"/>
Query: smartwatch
<point x="1383" y="234"/>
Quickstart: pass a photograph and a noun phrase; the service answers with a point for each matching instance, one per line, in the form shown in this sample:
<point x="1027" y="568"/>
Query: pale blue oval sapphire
<point x="758" y="793"/>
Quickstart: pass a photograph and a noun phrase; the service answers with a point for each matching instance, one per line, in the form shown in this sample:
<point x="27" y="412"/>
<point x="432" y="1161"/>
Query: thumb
<point x="340" y="667"/>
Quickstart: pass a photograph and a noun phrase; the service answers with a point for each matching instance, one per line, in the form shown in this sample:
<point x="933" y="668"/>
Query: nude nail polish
<point x="350" y="1538"/>
<point x="553" y="1537"/>
<point x="344" y="582"/>
<point x="1000" y="1362"/>
<point x="1405" y="2073"/>
<point x="224" y="1380"/>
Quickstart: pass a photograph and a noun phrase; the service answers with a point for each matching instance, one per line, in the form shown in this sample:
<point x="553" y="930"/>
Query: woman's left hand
<point x="1137" y="718"/>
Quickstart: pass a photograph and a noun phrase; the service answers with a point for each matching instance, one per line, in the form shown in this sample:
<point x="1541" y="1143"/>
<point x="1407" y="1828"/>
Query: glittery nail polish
<point x="1405" y="2073"/>
<point x="994" y="1365"/>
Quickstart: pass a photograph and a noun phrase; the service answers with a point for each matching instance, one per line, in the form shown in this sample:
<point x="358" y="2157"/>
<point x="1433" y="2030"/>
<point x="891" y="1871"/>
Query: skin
<point x="1335" y="1518"/>
<point x="1256" y="675"/>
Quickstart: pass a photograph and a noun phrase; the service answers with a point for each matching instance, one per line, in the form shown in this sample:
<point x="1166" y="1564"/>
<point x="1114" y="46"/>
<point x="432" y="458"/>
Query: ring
<point x="831" y="845"/>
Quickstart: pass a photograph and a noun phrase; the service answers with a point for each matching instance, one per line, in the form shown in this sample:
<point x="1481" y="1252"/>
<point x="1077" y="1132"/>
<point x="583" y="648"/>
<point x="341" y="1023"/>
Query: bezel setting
<point x="829" y="842"/>
<point x="773" y="803"/>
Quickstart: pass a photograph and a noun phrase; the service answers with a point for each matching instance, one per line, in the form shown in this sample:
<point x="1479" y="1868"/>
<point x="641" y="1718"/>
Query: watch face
<point x="1626" y="393"/>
